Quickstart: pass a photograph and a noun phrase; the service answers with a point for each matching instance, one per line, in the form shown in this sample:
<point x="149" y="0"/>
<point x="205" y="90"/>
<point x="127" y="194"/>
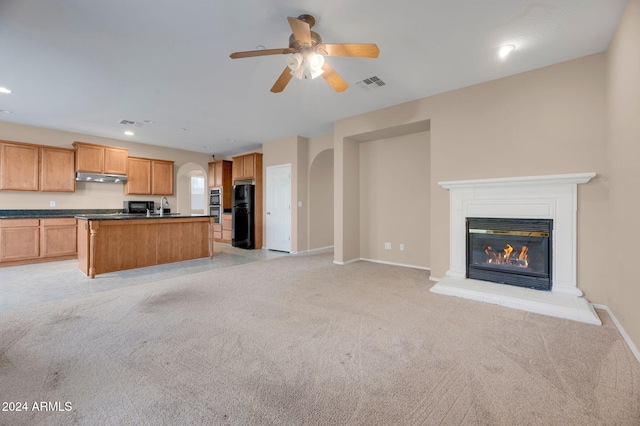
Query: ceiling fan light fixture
<point x="315" y="62"/>
<point x="295" y="62"/>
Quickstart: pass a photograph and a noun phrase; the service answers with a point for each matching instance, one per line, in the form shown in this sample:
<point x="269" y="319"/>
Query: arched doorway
<point x="191" y="189"/>
<point x="321" y="200"/>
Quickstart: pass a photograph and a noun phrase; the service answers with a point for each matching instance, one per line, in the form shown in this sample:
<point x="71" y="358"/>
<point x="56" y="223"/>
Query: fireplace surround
<point x="552" y="197"/>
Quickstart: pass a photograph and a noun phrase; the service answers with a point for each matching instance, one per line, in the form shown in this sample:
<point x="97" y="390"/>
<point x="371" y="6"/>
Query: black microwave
<point x="138" y="206"/>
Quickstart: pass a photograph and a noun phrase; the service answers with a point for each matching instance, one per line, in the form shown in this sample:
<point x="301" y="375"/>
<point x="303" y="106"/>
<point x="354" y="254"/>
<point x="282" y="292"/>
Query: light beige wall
<point x="320" y="193"/>
<point x="546" y="121"/>
<point x="346" y="187"/>
<point x="395" y="199"/>
<point x="87" y="195"/>
<point x="623" y="101"/>
<point x="301" y="205"/>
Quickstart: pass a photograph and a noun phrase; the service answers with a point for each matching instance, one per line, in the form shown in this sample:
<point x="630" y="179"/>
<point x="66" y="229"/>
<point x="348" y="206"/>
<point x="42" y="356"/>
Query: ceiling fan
<point x="307" y="53"/>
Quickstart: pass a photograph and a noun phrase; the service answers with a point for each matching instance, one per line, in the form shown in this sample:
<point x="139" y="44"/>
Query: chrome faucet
<point x="162" y="205"/>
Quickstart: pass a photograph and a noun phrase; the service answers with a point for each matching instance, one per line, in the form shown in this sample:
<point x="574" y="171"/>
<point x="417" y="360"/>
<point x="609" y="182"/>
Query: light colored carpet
<point x="298" y="340"/>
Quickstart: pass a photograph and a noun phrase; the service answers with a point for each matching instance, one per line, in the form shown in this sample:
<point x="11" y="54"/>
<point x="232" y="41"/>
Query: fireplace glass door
<point x="510" y="251"/>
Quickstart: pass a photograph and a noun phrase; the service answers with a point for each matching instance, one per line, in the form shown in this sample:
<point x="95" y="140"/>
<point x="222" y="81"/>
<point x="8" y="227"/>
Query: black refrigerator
<point x="243" y="231"/>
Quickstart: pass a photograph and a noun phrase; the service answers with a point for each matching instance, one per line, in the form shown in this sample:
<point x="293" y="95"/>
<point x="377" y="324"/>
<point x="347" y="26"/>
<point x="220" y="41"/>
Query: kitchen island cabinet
<point x="108" y="244"/>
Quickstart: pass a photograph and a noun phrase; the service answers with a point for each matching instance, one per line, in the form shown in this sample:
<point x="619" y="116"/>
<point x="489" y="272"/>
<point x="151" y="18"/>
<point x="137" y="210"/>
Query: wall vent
<point x="371" y="83"/>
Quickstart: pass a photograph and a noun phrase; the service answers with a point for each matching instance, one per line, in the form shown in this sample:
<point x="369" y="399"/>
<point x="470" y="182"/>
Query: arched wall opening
<point x="183" y="188"/>
<point x="321" y="200"/>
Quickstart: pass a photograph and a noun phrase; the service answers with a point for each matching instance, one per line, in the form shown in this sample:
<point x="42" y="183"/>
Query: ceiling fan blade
<point x="301" y="30"/>
<point x="282" y="81"/>
<point x="354" y="50"/>
<point x="333" y="78"/>
<point x="250" y="53"/>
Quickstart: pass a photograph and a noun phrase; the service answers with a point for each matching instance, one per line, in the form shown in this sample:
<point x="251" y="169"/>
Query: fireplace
<point x="497" y="203"/>
<point x="510" y="251"/>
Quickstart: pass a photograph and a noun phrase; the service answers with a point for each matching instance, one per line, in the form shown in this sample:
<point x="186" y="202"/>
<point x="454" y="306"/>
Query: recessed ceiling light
<point x="4" y="90"/>
<point x="129" y="133"/>
<point x="6" y="111"/>
<point x="149" y="121"/>
<point x="231" y="140"/>
<point x="505" y="50"/>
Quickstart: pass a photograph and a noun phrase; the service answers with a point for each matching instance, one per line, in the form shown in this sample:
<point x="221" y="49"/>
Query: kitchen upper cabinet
<point x="220" y="174"/>
<point x="247" y="166"/>
<point x="139" y="179"/>
<point x="91" y="158"/>
<point x="27" y="167"/>
<point x="161" y="177"/>
<point x="57" y="170"/>
<point x="149" y="177"/>
<point x="19" y="166"/>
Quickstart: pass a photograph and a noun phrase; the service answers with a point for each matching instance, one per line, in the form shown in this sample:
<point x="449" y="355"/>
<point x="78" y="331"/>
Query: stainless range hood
<point x="101" y="178"/>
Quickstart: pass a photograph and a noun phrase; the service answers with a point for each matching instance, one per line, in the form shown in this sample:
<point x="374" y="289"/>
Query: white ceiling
<point x="82" y="66"/>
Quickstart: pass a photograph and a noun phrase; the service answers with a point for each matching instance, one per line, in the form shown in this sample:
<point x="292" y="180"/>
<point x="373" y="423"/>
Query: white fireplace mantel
<point x="530" y="197"/>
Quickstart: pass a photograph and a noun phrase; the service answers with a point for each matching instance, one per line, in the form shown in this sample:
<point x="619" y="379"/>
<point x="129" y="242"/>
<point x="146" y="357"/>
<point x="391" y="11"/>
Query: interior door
<point x="278" y="205"/>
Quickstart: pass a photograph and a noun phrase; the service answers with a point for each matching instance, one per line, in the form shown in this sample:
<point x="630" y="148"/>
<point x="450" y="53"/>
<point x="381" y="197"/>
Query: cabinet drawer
<point x="226" y="235"/>
<point x="226" y="221"/>
<point x="61" y="221"/>
<point x="217" y="227"/>
<point x="217" y="235"/>
<point x="19" y="223"/>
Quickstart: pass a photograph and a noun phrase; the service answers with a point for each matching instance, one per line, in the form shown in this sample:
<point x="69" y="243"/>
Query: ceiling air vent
<point x="130" y="123"/>
<point x="371" y="83"/>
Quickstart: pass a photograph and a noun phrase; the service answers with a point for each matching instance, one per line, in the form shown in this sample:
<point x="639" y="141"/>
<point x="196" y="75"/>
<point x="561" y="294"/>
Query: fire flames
<point x="507" y="257"/>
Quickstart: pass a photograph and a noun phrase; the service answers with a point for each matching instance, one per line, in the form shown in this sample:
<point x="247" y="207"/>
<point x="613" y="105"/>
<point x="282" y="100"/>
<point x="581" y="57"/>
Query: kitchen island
<point x="115" y="242"/>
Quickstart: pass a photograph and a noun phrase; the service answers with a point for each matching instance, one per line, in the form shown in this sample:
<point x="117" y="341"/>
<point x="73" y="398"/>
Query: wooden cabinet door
<point x="58" y="237"/>
<point x="57" y="170"/>
<point x="249" y="166"/>
<point x="19" y="239"/>
<point x="238" y="168"/>
<point x="162" y="177"/>
<point x="115" y="161"/>
<point x="139" y="180"/>
<point x="19" y="167"/>
<point x="89" y="158"/>
<point x="211" y="176"/>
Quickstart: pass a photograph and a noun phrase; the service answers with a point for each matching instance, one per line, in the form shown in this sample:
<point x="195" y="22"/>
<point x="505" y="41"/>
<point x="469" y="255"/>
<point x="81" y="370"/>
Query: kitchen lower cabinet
<point x="24" y="241"/>
<point x="58" y="237"/>
<point x="19" y="239"/>
<point x="227" y="220"/>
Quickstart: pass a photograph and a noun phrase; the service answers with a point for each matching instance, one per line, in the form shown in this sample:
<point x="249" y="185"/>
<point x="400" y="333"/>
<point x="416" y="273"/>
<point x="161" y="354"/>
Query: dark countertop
<point x="126" y="216"/>
<point x="87" y="214"/>
<point x="53" y="213"/>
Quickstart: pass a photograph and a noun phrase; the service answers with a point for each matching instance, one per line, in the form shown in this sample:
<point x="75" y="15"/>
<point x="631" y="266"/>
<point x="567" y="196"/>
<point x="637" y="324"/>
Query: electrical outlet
<point x="401" y="247"/>
<point x="52" y="203"/>
<point x="387" y="246"/>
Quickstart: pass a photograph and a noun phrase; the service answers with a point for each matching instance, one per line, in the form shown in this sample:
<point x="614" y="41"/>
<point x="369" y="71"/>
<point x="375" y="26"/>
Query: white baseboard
<point x="624" y="334"/>
<point x="396" y="264"/>
<point x="432" y="278"/>
<point x="346" y="262"/>
<point x="318" y="249"/>
<point x="382" y="262"/>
